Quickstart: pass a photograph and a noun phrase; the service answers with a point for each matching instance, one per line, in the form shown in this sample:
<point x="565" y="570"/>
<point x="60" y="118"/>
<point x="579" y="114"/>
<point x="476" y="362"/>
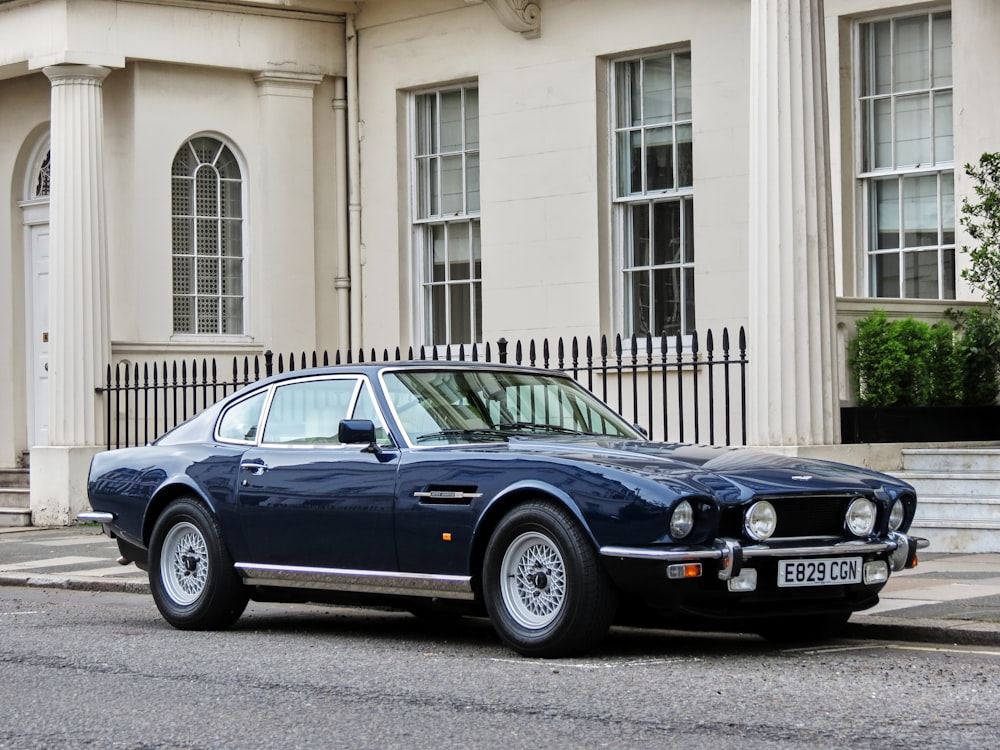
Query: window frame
<point x="244" y="243"/>
<point x="867" y="174"/>
<point x="424" y="223"/>
<point x="681" y="193"/>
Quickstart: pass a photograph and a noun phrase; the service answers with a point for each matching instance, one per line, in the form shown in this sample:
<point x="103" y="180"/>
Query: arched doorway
<point x="35" y="216"/>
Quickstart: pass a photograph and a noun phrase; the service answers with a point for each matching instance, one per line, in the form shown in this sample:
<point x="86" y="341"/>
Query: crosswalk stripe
<point x="52" y="562"/>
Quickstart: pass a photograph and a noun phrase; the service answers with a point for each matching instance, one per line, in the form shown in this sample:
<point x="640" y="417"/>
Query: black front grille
<point x="798" y="516"/>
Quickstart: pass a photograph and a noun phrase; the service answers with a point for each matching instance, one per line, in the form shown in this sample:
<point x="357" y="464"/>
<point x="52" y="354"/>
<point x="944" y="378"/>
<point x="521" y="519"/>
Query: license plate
<point x="819" y="572"/>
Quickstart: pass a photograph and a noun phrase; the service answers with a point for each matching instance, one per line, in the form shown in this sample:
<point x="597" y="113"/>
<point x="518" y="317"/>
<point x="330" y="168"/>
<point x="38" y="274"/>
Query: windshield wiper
<point x="539" y="427"/>
<point x="476" y="432"/>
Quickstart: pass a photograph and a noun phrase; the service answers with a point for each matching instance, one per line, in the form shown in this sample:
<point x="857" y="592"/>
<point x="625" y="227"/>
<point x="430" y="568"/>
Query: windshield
<point x="466" y="406"/>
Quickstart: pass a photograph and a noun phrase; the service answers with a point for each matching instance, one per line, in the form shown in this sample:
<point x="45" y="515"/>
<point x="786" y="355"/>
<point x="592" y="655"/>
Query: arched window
<point x="40" y="185"/>
<point x="207" y="196"/>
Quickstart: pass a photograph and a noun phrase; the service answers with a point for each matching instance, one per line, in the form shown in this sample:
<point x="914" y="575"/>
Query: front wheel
<point x="543" y="584"/>
<point x="191" y="574"/>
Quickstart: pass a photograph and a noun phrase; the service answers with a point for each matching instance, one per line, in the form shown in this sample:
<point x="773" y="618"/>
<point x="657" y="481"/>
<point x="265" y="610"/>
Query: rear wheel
<point x="191" y="574"/>
<point x="544" y="587"/>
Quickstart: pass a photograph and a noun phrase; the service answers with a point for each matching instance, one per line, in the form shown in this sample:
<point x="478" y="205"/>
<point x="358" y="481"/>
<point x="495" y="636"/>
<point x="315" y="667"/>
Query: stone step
<point x="14" y="477"/>
<point x="958" y="508"/>
<point x="961" y="537"/>
<point x="951" y="459"/>
<point x="15" y="497"/>
<point x="977" y="484"/>
<point x="15" y="517"/>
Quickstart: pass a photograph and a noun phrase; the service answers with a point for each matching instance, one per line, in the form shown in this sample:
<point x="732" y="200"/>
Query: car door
<point x="307" y="500"/>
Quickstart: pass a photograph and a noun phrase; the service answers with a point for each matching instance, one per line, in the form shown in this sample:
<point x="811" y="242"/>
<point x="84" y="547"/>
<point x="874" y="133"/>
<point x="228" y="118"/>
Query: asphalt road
<point x="102" y="670"/>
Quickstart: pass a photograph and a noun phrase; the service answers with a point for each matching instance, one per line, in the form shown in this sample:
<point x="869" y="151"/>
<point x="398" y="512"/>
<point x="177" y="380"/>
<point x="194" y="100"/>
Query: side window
<point x="365" y="409"/>
<point x="240" y="420"/>
<point x="309" y="411"/>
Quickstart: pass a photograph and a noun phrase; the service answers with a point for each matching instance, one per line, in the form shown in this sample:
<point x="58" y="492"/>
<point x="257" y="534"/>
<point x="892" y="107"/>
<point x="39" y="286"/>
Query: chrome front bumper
<point x="731" y="553"/>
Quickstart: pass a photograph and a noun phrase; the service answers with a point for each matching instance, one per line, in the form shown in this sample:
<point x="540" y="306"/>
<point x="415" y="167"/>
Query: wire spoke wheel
<point x="543" y="585"/>
<point x="184" y="563"/>
<point x="533" y="580"/>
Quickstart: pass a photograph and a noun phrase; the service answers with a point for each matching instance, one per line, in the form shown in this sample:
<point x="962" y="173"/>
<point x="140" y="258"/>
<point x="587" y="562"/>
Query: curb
<point x="75" y="583"/>
<point x="954" y="632"/>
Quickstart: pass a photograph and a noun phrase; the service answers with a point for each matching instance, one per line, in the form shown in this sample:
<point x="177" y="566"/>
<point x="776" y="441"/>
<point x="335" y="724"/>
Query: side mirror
<point x="354" y="431"/>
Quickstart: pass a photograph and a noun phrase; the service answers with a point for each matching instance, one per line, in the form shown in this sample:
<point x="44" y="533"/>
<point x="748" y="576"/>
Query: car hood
<point x="733" y="472"/>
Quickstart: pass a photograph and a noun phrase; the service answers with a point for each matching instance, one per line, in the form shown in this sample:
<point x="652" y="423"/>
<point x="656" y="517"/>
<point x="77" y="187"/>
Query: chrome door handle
<point x="253" y="467"/>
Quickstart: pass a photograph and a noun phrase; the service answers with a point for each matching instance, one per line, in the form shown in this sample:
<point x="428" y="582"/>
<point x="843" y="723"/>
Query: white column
<point x="793" y="390"/>
<point x="79" y="344"/>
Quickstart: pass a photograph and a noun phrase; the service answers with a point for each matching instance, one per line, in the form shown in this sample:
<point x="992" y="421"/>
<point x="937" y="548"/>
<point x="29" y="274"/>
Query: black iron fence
<point x="677" y="389"/>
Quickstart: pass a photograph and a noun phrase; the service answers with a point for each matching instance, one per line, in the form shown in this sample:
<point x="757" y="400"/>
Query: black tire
<point x="803" y="628"/>
<point x="544" y="587"/>
<point x="191" y="574"/>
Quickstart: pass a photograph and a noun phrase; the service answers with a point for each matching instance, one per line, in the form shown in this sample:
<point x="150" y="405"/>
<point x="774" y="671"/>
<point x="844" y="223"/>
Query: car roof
<point x="372" y="369"/>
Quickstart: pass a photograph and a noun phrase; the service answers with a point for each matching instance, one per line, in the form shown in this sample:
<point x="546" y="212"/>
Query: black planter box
<point x="919" y="424"/>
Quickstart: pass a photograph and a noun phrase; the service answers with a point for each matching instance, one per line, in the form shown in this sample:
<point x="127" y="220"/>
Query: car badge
<point x="802" y="477"/>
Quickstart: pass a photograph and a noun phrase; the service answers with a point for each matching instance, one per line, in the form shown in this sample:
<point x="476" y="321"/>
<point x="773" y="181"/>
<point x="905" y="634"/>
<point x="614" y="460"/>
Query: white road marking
<point x="52" y="562"/>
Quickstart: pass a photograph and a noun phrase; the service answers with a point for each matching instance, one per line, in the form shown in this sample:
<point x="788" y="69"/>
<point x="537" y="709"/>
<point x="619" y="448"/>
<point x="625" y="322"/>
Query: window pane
<point x="948" y="274"/>
<point x="689" y="321"/>
<point x="436" y="314"/>
<point x="182" y="195"/>
<point x="685" y="166"/>
<point x="427" y="188"/>
<point x="208" y="237"/>
<point x="459" y="257"/>
<point x="638" y="240"/>
<point x="477" y="293"/>
<point x="461" y="313"/>
<point x="183" y="275"/>
<point x="920" y="211"/>
<point x="232" y="277"/>
<point x="232" y="237"/>
<point x="659" y="158"/>
<point x="657" y="91"/>
<point x="942" y="50"/>
<point x="912" y="59"/>
<point x="637" y="289"/>
<point x="426" y="125"/>
<point x="451" y="185"/>
<point x="451" y="121"/>
<point x="232" y="315"/>
<point x="667" y="302"/>
<point x="682" y="82"/>
<point x="922" y="275"/>
<point x="472" y="182"/>
<point x="666" y="233"/>
<point x="947" y="209"/>
<point x="207" y="275"/>
<point x="688" y="231"/>
<point x="883" y="133"/>
<point x="438" y="254"/>
<point x="885" y="275"/>
<point x="477" y="251"/>
<point x="887" y="214"/>
<point x="944" y="142"/>
<point x="883" y="57"/>
<point x="232" y="199"/>
<point x="183" y="314"/>
<point x="627" y="89"/>
<point x="913" y="130"/>
<point x="629" y="162"/>
<point x="471" y="118"/>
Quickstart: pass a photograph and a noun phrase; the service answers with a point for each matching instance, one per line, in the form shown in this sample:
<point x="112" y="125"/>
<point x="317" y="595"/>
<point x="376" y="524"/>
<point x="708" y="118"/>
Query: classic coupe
<point x="455" y="489"/>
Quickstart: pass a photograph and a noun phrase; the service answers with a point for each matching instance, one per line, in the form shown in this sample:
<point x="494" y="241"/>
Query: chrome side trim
<point x="448" y="495"/>
<point x="93" y="516"/>
<point x="362" y="581"/>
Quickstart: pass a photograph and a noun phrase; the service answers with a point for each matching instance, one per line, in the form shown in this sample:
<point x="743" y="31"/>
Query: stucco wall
<point x="547" y="265"/>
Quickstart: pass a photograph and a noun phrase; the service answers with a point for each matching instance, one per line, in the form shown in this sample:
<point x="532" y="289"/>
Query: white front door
<point x="36" y="225"/>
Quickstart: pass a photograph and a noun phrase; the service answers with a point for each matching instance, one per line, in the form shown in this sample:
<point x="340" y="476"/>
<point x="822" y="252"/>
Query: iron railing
<point x="670" y="386"/>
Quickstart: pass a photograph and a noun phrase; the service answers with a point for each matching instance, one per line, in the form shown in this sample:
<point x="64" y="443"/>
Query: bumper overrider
<point x="730" y="556"/>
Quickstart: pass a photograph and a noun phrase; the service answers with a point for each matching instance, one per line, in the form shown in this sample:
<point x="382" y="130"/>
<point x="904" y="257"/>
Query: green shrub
<point x="904" y="363"/>
<point x="978" y="350"/>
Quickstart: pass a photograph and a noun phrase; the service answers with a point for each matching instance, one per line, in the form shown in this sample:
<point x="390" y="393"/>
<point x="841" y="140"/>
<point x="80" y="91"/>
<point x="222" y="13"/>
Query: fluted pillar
<point x="793" y="390"/>
<point x="79" y="339"/>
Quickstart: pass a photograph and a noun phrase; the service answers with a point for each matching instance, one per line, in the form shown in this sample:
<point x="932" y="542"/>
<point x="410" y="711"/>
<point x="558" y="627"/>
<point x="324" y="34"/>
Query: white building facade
<point x="190" y="179"/>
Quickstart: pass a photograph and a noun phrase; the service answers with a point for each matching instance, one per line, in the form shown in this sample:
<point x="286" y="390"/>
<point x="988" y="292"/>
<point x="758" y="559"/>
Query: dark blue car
<point x="453" y="489"/>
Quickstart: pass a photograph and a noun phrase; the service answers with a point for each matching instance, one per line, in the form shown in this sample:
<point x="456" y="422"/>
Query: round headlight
<point x="861" y="517"/>
<point x="760" y="521"/>
<point x="897" y="515"/>
<point x="681" y="520"/>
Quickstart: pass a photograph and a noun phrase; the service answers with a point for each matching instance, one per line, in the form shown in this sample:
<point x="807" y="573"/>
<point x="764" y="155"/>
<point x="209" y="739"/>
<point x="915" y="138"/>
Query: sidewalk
<point x="947" y="598"/>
